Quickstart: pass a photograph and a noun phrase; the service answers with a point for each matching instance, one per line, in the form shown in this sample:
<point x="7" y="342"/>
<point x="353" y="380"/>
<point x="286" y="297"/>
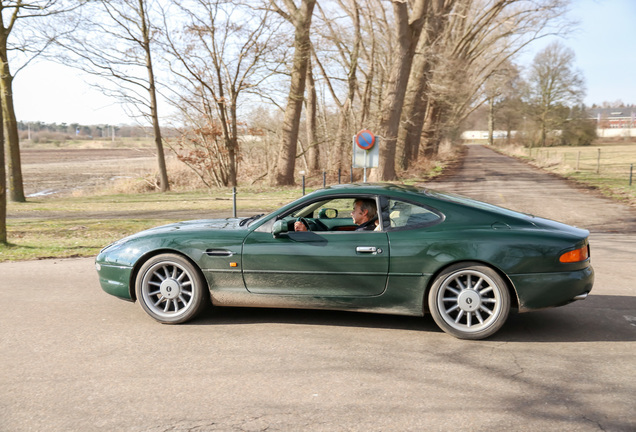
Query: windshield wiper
<point x="250" y="219"/>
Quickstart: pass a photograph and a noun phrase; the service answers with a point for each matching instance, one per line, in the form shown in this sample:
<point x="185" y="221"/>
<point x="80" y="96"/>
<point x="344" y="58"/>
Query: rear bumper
<point x="544" y="290"/>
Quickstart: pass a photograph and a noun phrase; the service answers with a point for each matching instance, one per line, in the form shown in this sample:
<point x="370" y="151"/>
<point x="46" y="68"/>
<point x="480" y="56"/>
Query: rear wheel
<point x="469" y="301"/>
<point x="170" y="289"/>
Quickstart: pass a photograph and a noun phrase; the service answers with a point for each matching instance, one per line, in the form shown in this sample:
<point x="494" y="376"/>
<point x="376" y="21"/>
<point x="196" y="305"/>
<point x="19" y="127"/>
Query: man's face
<point x="358" y="215"/>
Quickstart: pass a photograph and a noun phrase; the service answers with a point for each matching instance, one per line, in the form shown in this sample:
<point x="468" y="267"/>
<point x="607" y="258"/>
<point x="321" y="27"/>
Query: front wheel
<point x="170" y="289"/>
<point x="469" y="301"/>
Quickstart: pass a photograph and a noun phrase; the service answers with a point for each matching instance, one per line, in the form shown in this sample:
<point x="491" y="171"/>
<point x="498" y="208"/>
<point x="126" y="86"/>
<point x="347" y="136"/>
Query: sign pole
<point x="366" y="156"/>
<point x="353" y="157"/>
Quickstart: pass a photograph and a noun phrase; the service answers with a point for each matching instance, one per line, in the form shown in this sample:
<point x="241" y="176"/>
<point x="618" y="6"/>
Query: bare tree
<point x="3" y="187"/>
<point x="478" y="37"/>
<point x="22" y="40"/>
<point x="377" y="45"/>
<point x="553" y="82"/>
<point x="409" y="22"/>
<point x="217" y="55"/>
<point x="499" y="87"/>
<point x="346" y="40"/>
<point x="300" y="17"/>
<point x="115" y="41"/>
<point x="416" y="96"/>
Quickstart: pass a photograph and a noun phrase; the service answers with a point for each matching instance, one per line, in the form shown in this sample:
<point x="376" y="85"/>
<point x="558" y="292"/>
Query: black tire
<point x="170" y="289"/>
<point x="469" y="301"/>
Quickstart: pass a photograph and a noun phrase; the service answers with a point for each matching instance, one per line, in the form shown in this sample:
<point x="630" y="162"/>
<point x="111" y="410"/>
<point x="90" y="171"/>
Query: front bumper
<point x="115" y="279"/>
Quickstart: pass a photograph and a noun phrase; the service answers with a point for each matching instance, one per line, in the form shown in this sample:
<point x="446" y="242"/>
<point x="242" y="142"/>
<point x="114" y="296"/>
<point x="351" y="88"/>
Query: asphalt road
<point x="73" y="358"/>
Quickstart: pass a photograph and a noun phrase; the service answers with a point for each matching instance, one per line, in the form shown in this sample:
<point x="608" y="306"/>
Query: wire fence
<point x="612" y="163"/>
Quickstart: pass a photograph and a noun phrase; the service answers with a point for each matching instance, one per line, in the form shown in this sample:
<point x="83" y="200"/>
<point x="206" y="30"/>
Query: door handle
<point x="218" y="252"/>
<point x="368" y="249"/>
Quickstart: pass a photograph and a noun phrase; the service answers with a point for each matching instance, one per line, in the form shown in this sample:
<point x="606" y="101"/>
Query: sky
<point x="604" y="46"/>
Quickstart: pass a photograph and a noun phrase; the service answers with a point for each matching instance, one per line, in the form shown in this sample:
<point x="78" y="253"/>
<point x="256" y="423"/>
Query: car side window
<point x="407" y="215"/>
<point x="333" y="215"/>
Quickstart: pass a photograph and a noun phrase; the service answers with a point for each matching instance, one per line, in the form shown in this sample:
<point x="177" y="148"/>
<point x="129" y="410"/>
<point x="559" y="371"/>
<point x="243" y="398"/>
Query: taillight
<point x="576" y="255"/>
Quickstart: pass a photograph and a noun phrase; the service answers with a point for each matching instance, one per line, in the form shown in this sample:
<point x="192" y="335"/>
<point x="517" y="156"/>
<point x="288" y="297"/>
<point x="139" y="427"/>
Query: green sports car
<point x="465" y="262"/>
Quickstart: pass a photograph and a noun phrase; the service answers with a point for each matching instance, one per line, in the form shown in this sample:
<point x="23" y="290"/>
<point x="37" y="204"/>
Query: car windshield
<point x="308" y="209"/>
<point x="248" y="221"/>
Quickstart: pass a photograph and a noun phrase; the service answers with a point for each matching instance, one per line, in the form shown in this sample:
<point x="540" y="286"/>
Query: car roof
<point x="416" y="194"/>
<point x="370" y="188"/>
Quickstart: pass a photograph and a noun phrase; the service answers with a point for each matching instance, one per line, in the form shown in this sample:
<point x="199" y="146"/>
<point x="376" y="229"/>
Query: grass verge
<point x="81" y="226"/>
<point x="40" y="239"/>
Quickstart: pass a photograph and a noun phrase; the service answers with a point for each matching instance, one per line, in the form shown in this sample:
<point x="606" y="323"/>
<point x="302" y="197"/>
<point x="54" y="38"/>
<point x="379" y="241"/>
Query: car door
<point x="411" y="244"/>
<point x="342" y="263"/>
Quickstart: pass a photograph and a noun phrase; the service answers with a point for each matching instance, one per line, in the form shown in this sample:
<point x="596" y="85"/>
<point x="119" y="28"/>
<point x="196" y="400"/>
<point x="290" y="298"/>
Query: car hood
<point x="127" y="250"/>
<point x="196" y="225"/>
<point x="229" y="224"/>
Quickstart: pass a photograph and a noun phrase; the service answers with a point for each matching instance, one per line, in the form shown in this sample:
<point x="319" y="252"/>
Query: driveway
<point x="75" y="358"/>
<point x="489" y="176"/>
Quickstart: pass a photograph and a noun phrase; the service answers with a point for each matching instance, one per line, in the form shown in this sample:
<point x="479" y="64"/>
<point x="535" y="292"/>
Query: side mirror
<point x="280" y="227"/>
<point x="328" y="213"/>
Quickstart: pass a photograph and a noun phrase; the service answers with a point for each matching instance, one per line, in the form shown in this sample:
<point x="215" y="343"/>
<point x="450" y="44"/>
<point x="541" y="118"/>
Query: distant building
<point x="483" y="135"/>
<point x="610" y="123"/>
<point x="613" y="118"/>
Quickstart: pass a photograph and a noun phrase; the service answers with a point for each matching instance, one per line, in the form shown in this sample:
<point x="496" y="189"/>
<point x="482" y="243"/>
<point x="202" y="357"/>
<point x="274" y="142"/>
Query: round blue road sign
<point x="365" y="140"/>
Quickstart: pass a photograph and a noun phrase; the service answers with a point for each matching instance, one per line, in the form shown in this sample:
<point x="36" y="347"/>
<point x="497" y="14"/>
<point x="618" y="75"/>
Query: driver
<point x="364" y="214"/>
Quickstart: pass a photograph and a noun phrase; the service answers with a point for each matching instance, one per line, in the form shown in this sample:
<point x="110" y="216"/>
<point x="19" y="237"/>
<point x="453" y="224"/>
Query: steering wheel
<point x="304" y="222"/>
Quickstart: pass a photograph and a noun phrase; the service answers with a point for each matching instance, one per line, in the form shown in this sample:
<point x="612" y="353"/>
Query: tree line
<point x="70" y="130"/>
<point x="306" y="74"/>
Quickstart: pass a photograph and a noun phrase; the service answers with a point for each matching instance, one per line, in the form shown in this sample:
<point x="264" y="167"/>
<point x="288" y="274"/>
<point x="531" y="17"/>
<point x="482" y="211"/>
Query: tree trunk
<point x="154" y="113"/>
<point x="232" y="145"/>
<point x="16" y="188"/>
<point x="340" y="147"/>
<point x="430" y="131"/>
<point x="9" y="123"/>
<point x="543" y="128"/>
<point x="414" y="111"/>
<point x="301" y="19"/>
<point x="3" y="187"/>
<point x="416" y="99"/>
<point x="491" y="122"/>
<point x="408" y="34"/>
<point x="313" y="152"/>
<point x="343" y="137"/>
